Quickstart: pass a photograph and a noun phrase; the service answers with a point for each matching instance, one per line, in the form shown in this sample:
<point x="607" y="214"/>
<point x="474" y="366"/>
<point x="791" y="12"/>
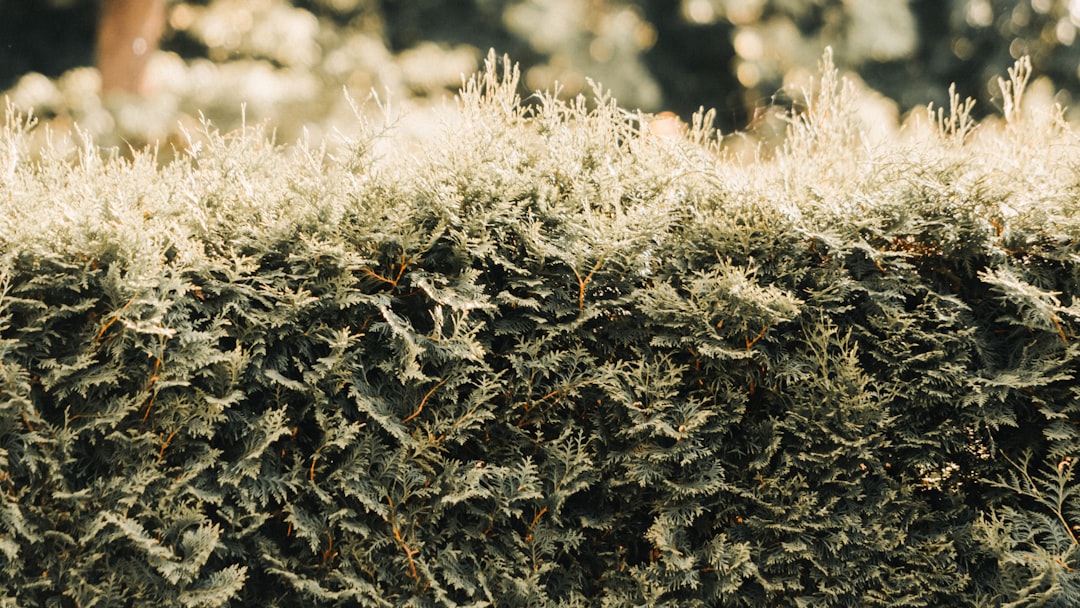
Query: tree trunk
<point x="128" y="34"/>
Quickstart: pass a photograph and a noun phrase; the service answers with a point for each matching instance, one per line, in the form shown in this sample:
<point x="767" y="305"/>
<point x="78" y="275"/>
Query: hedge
<point x="546" y="358"/>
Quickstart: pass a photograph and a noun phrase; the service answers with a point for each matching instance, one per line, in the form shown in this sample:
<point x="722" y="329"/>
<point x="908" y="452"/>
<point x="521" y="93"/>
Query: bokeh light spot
<point x="645" y="35"/>
<point x="748" y="74"/>
<point x="748" y="44"/>
<point x="1018" y="48"/>
<point x="1065" y="31"/>
<point x="963" y="48"/>
<point x="601" y="50"/>
<point x="700" y="12"/>
<point x="980" y="13"/>
<point x="182" y="17"/>
<point x="1021" y="15"/>
<point x="742" y="12"/>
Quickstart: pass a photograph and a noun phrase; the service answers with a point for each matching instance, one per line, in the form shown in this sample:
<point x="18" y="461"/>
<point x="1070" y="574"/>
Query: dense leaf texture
<point x="545" y="359"/>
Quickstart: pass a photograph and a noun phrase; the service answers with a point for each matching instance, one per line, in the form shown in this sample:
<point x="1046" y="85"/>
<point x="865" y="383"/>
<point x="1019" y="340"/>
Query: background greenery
<point x="290" y="61"/>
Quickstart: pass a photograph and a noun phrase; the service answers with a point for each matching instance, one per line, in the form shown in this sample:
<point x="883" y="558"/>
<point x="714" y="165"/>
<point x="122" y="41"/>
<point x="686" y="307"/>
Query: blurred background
<point x="290" y="63"/>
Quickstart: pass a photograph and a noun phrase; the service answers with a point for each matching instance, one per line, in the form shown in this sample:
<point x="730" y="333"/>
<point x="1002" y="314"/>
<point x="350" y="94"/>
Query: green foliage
<point x="544" y="359"/>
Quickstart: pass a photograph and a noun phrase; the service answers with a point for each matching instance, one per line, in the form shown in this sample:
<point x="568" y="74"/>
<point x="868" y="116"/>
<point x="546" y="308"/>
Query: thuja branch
<point x="529" y="535"/>
<point x="461" y="420"/>
<point x="552" y="399"/>
<point x="1055" y="503"/>
<point x="1064" y="475"/>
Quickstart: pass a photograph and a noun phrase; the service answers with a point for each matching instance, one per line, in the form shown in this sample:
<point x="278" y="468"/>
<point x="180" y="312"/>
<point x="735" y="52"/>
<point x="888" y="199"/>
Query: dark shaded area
<point x="40" y="37"/>
<point x="932" y="65"/>
<point x="692" y="63"/>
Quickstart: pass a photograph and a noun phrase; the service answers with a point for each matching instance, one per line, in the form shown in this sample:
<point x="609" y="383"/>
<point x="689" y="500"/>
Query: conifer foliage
<point x="545" y="359"/>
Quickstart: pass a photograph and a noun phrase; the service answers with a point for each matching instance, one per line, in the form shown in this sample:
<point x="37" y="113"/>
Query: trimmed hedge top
<point x="545" y="357"/>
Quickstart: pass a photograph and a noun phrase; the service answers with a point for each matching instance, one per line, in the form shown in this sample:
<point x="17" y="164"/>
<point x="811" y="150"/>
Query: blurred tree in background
<point x="289" y="61"/>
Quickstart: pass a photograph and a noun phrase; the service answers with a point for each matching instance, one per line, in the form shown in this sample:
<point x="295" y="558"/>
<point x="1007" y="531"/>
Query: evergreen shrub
<point x="546" y="359"/>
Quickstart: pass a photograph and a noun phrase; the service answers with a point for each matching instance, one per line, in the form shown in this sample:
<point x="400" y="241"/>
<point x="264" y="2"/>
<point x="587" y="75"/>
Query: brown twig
<point x="583" y="283"/>
<point x="750" y="343"/>
<point x="393" y="283"/>
<point x="165" y="444"/>
<point x="409" y="552"/>
<point x="424" y="400"/>
<point x="113" y="319"/>
<point x="150" y="383"/>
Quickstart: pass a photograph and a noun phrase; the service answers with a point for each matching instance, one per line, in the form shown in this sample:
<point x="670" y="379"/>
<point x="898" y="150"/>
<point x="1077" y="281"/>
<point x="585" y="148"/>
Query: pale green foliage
<point x="545" y="358"/>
